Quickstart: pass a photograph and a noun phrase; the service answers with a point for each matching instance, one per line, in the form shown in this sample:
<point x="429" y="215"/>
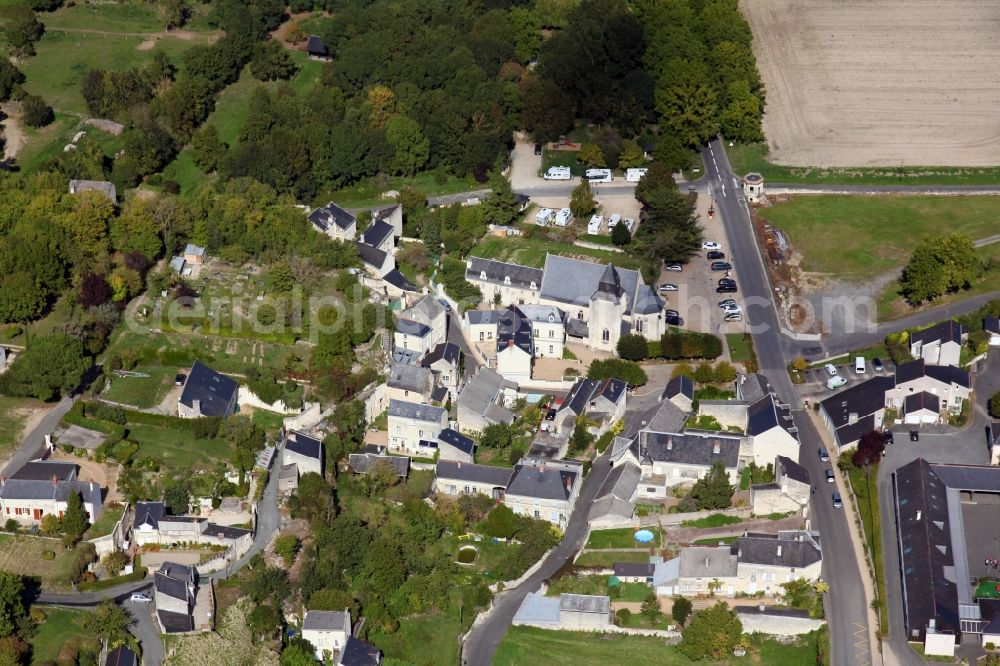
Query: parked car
<point x="715" y="255"/>
<point x="734" y="316"/>
<point x="823" y="455"/>
<point x="830" y="478"/>
<point x="731" y="309"/>
<point x="837" y="502"/>
<point x="675" y="268"/>
<point x="859" y="365"/>
<point x="666" y="286"/>
<point x="726" y="289"/>
<point x="887" y="438"/>
<point x="726" y="302"/>
<point x="831" y="369"/>
<point x="179" y="379"/>
<point x="558" y="173"/>
<point x="721" y="266"/>
<point x="710" y="245"/>
<point x="139" y="598"/>
<point x="914" y="435"/>
<point x="835" y="383"/>
<point x="727" y="281"/>
<point x="538" y="149"/>
<point x="877" y="365"/>
<point x="672" y="318"/>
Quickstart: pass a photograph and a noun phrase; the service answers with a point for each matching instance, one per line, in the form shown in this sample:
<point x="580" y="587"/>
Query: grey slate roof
<point x="647" y="301"/>
<point x="170" y="586"/>
<point x="763" y="549"/>
<point x="496" y="271"/>
<point x="175" y="623"/>
<point x="766" y="414"/>
<point x="542" y="313"/>
<point x="991" y="324"/>
<point x="416" y="411"/>
<point x="448" y="351"/>
<point x="574" y="281"/>
<point x="477" y="317"/>
<point x="14" y="489"/>
<point x="542" y="482"/>
<point x="227" y="531"/>
<point x="457" y="440"/>
<point x="121" y="656"/>
<point x="707" y="562"/>
<point x="621" y="482"/>
<point x="215" y="390"/>
<point x="916" y="402"/>
<point x="487" y="474"/>
<point x="318" y="620"/>
<point x="687" y="448"/>
<point x="949" y="374"/>
<point x="372" y="255"/>
<point x="426" y="310"/>
<point x="304" y="445"/>
<point x="679" y="385"/>
<point x="194" y="250"/>
<point x="409" y="377"/>
<point x="906" y="372"/>
<point x="183" y="572"/>
<point x="853" y="432"/>
<point x="315" y="46"/>
<point x="634" y="569"/>
<point x="410" y="327"/>
<point x="149" y="513"/>
<point x="863" y="399"/>
<point x="359" y="653"/>
<point x="377" y="232"/>
<point x="480" y="394"/>
<point x="945" y="331"/>
<point x="331" y="214"/>
<point x="45" y="470"/>
<point x="360" y="463"/>
<point x="398" y="280"/>
<point x="513" y="330"/>
<point x="664" y="417"/>
<point x="752" y="387"/>
<point x="793" y="470"/>
<point x="584" y="603"/>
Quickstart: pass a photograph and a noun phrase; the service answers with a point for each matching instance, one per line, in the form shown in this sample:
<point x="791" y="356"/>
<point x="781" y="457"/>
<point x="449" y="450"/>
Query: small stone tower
<point x="607" y="311"/>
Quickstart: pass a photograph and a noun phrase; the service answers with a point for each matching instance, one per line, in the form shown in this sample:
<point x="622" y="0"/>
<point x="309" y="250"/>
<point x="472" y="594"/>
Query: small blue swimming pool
<point x="644" y="536"/>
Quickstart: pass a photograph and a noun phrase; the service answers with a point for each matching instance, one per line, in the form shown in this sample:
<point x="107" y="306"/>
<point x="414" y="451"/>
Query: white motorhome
<point x="563" y="217"/>
<point x="544" y="217"/>
<point x="599" y="175"/>
<point x="558" y="173"/>
<point x="594" y="226"/>
<point x="635" y="175"/>
<point x="613" y="221"/>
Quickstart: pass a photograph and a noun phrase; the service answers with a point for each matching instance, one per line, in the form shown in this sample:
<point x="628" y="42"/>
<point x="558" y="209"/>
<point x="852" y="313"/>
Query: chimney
<point x="852" y="418"/>
<point x="716" y="447"/>
<point x="779" y="550"/>
<point x="510" y="343"/>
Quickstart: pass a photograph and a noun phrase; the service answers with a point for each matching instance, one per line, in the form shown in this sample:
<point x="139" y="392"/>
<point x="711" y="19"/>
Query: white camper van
<point x="599" y="175"/>
<point x="635" y="175"/>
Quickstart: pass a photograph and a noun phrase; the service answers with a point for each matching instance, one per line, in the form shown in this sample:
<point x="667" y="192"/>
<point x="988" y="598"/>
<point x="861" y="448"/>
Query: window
<point x="640" y="325"/>
<point x="650" y="489"/>
<point x="467" y="489"/>
<point x="397" y="429"/>
<point x="552" y="333"/>
<point x="552" y="351"/>
<point x="536" y="513"/>
<point x="606" y="335"/>
<point x="482" y="336"/>
<point x="579" y="315"/>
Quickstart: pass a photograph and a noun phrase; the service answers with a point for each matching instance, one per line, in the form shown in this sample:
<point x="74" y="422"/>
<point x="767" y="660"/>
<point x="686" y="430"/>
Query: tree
<point x="264" y="620"/>
<point x="11" y="602"/>
<point x="74" y="520"/>
<point x="592" y="155"/>
<point x="22" y="29"/>
<point x="869" y="451"/>
<point x="135" y="231"/>
<point x="500" y="206"/>
<point x="50" y="366"/>
<point x="411" y="147"/>
<point x="687" y="102"/>
<point x="177" y="497"/>
<point x="669" y="231"/>
<point x="10" y="77"/>
<point x="740" y="120"/>
<point x="271" y="61"/>
<point x="681" y="610"/>
<point x="108" y="620"/>
<point x="712" y="633"/>
<point x="581" y="202"/>
<point x="94" y="290"/>
<point x="939" y="265"/>
<point x="500" y="522"/>
<point x="581" y="438"/>
<point x="382" y="106"/>
<point x="613" y="368"/>
<point x="296" y="655"/>
<point x="713" y="491"/>
<point x="115" y="561"/>
<point x="207" y="148"/>
<point x="380" y="476"/>
<point x="332" y="600"/>
<point x="267" y="583"/>
<point x="994" y="405"/>
<point x="22" y="298"/>
<point x="632" y="155"/>
<point x="620" y="235"/>
<point x="35" y="112"/>
<point x="651" y="607"/>
<point x="632" y="347"/>
<point x="313" y="499"/>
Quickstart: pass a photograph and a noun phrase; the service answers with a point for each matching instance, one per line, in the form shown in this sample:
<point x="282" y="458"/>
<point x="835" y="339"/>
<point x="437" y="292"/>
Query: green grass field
<point x="596" y="585"/>
<point x="713" y="520"/>
<point x="142" y="392"/>
<point x="60" y="627"/>
<point x="618" y="538"/>
<point x="858" y="238"/>
<point x="529" y="646"/>
<point x="106" y="521"/>
<point x="22" y="554"/>
<point x="532" y="251"/>
<point x="607" y="558"/>
<point x="129" y="16"/>
<point x="551" y="158"/>
<point x="753" y="157"/>
<point x="178" y="450"/>
<point x="13" y="414"/>
<point x="740" y="347"/>
<point x="63" y="59"/>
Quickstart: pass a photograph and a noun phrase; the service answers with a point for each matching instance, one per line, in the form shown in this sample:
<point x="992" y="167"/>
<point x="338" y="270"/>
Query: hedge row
<point x="104" y="584"/>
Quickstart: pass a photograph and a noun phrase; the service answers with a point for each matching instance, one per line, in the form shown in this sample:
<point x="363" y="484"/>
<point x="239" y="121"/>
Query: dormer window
<point x="482" y="275"/>
<point x="506" y="279"/>
<point x="533" y="285"/>
<point x="552" y="318"/>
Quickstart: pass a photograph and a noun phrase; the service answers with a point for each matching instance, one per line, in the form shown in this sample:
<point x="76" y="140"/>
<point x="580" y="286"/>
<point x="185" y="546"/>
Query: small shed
<point x="317" y="49"/>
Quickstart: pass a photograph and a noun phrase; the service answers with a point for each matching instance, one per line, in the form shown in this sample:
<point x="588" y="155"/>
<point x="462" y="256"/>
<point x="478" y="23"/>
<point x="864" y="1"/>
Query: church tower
<point x="607" y="311"/>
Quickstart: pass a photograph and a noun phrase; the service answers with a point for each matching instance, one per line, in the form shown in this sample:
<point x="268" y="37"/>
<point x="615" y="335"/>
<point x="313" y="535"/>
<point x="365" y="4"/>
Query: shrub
<point x="614" y="368"/>
<point x="35" y="112"/>
<point x="11" y="525"/>
<point x="633" y="347"/>
<point x="622" y="617"/>
<point x="48" y="555"/>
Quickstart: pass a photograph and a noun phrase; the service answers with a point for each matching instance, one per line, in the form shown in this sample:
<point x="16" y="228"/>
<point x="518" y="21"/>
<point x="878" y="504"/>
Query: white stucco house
<point x="414" y="428"/>
<point x="940" y="344"/>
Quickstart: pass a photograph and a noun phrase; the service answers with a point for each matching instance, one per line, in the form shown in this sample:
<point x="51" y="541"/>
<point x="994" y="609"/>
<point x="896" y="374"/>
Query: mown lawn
<point x="176" y="449"/>
<point x="22" y="554"/>
<point x="106" y="521"/>
<point x="13" y="414"/>
<point x="142" y="392"/>
<point x="712" y="520"/>
<point x="607" y="558"/>
<point x="128" y="16"/>
<point x="857" y="238"/>
<point x="596" y="585"/>
<point x="753" y="157"/>
<point x="532" y="251"/>
<point x="63" y="59"/>
<point x="740" y="347"/>
<point x="619" y="538"/>
<point x="60" y="627"/>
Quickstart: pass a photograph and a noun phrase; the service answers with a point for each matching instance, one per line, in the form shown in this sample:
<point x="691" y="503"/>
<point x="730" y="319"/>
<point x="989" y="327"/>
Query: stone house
<point x="414" y="427"/>
<point x="327" y="631"/>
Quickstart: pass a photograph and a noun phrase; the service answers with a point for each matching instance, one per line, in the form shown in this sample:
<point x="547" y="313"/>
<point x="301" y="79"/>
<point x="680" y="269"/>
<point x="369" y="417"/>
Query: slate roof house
<point x="361" y="463"/>
<point x="414" y="428"/>
<point x="303" y="451"/>
<point x="41" y="488"/>
<point x="152" y="525"/>
<point x="790" y="491"/>
<point x="949" y="384"/>
<point x="940" y="344"/>
<point x="121" y="656"/>
<point x="544" y="489"/>
<point x="445" y="362"/>
<point x="668" y="460"/>
<point x="317" y="49"/>
<point x="359" y="653"/>
<point x="615" y="501"/>
<point x="333" y="220"/>
<point x="207" y="393"/>
<point x="409" y="382"/>
<point x="484" y="400"/>
<point x="174" y="591"/>
<point x="514" y="283"/>
<point x="601" y="400"/>
<point x="327" y="631"/>
<point x="680" y="391"/>
<point x="855" y="410"/>
<point x="455" y="478"/>
<point x="452" y="445"/>
<point x="422" y="326"/>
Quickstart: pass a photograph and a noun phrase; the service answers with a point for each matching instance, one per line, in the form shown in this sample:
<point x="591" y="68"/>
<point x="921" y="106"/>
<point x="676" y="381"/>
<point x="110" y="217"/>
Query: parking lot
<point x="696" y="299"/>
<point x="815" y="378"/>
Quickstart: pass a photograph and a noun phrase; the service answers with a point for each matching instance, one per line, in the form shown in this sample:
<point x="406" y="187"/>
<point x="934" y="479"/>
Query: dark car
<point x="824" y="456"/>
<point x="887" y="438"/>
<point x="837" y="502"/>
<point x="726" y="289"/>
<point x="914" y="436"/>
<point x="723" y="281"/>
<point x="179" y="379"/>
<point x="877" y="365"/>
<point x="538" y="149"/>
<point x="550" y="415"/>
<point x="672" y="318"/>
<point x="715" y="254"/>
<point x="721" y="266"/>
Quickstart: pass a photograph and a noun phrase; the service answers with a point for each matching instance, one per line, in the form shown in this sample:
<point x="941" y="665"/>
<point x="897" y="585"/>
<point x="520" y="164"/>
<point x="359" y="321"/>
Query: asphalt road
<point x="482" y="642"/>
<point x="34" y="443"/>
<point x="886" y="189"/>
<point x="846" y="609"/>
